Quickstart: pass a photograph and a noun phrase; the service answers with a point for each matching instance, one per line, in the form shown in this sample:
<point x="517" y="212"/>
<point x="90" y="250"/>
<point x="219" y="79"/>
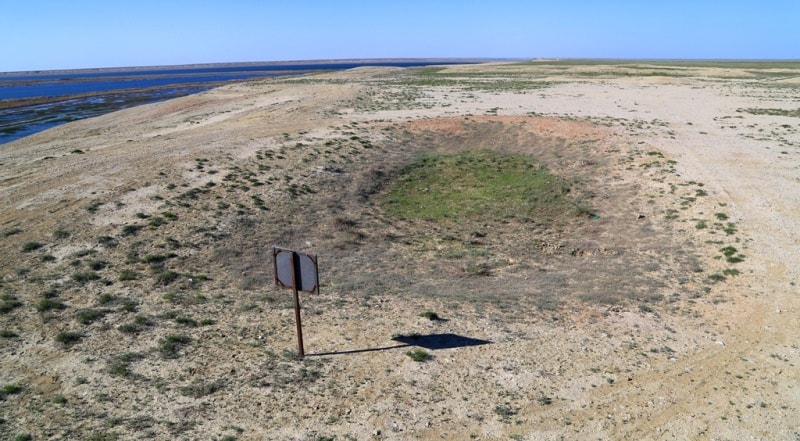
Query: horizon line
<point x="468" y="60"/>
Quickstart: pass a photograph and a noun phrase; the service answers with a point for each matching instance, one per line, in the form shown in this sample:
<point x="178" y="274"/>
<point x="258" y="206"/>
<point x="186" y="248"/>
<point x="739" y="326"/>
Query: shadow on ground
<point x="431" y="342"/>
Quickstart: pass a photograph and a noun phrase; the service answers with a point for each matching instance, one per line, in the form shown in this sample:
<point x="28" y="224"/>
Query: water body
<point x="34" y="101"/>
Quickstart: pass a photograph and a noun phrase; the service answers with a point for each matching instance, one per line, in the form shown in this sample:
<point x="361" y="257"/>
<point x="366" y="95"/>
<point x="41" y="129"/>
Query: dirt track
<point x="717" y="366"/>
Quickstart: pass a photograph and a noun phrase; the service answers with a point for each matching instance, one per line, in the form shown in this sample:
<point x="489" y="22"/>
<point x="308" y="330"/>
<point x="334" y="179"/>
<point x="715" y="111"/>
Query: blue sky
<point x="60" y="34"/>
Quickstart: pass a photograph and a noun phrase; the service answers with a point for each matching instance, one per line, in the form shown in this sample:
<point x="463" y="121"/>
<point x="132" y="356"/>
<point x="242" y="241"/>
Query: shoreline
<point x="25" y="117"/>
<point x="113" y="69"/>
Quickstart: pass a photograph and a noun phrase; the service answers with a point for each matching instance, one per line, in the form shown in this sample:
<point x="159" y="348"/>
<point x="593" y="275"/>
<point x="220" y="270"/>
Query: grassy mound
<point x="479" y="185"/>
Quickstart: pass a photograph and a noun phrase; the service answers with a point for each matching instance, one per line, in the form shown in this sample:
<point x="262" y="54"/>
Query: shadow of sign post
<point x="298" y="272"/>
<point x="432" y="342"/>
<point x="439" y="341"/>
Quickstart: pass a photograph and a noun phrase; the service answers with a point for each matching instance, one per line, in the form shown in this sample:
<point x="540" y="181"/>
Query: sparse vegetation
<point x="103" y="436"/>
<point x="31" y="246"/>
<point x="5" y="333"/>
<point x="544" y="400"/>
<point x="186" y="321"/>
<point x="139" y="324"/>
<point x="731" y="255"/>
<point x="93" y="206"/>
<point x="170" y="346"/>
<point x="430" y="315"/>
<point x="419" y="355"/>
<point x="119" y="366"/>
<point x="10" y="389"/>
<point x="131" y="230"/>
<point x="128" y="274"/>
<point x="772" y="112"/>
<point x="89" y="316"/>
<point x="161" y="289"/>
<point x="85" y="276"/>
<point x="107" y="241"/>
<point x="68" y="338"/>
<point x="505" y="411"/>
<point x="166" y="277"/>
<point x="10" y="232"/>
<point x="48" y="304"/>
<point x="202" y="388"/>
<point x="8" y="303"/>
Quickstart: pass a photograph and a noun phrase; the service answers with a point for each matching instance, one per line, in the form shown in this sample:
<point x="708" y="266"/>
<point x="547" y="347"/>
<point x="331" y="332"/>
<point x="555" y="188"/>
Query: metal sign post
<point x="299" y="272"/>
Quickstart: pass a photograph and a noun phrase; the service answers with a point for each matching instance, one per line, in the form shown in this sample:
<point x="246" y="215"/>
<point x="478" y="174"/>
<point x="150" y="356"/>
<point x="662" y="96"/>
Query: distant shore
<point x="259" y="63"/>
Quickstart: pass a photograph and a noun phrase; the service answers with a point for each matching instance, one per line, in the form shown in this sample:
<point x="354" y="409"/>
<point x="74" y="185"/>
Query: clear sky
<point x="62" y="34"/>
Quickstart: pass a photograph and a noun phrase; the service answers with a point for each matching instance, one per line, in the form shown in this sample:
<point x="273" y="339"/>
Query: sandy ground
<point x="730" y="373"/>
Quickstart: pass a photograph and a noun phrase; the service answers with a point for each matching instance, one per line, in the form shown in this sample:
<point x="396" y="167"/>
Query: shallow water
<point x="18" y="122"/>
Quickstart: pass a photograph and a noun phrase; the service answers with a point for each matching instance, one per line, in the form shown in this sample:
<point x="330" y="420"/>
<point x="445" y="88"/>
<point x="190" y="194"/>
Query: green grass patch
<point x="419" y="355"/>
<point x="127" y="274"/>
<point x="731" y="255"/>
<point x="11" y="232"/>
<point x="170" y="346"/>
<point x="430" y="315"/>
<point x="166" y="277"/>
<point x="60" y="234"/>
<point x="85" y="276"/>
<point x="131" y="230"/>
<point x="481" y="185"/>
<point x="186" y="321"/>
<point x="157" y="221"/>
<point x="49" y="305"/>
<point x="10" y="389"/>
<point x="8" y="303"/>
<point x="119" y="366"/>
<point x="68" y="338"/>
<point x="89" y="316"/>
<point x="5" y="333"/>
<point x="31" y="246"/>
<point x="139" y="324"/>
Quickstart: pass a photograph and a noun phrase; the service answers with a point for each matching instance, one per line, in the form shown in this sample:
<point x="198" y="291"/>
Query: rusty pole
<point x="300" y="350"/>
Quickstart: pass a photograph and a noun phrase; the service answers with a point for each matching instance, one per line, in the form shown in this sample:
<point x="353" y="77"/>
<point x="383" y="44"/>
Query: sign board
<point x="297" y="271"/>
<point x="293" y="268"/>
